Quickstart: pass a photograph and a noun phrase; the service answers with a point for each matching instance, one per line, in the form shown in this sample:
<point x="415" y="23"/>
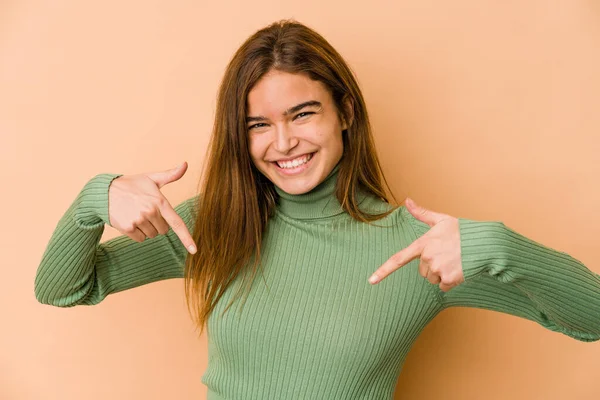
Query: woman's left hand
<point x="439" y="250"/>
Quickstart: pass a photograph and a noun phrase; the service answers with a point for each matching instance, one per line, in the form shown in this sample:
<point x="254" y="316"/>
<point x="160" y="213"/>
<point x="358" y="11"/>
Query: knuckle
<point x="397" y="258"/>
<point x="147" y="210"/>
<point x="175" y="225"/>
<point x="447" y="281"/>
<point x="162" y="202"/>
<point x="153" y="211"/>
<point x="426" y="257"/>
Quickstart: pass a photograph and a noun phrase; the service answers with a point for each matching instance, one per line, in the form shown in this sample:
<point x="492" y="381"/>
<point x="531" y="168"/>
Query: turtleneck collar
<point x="320" y="202"/>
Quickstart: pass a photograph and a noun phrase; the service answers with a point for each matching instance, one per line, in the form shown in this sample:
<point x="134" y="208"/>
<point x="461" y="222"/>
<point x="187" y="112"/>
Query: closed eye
<point x="300" y="115"/>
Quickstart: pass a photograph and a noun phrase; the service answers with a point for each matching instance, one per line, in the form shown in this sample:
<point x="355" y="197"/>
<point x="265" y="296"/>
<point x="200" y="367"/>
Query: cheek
<point x="257" y="148"/>
<point x="328" y="136"/>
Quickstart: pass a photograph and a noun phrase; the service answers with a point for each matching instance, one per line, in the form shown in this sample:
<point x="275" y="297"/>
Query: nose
<point x="284" y="140"/>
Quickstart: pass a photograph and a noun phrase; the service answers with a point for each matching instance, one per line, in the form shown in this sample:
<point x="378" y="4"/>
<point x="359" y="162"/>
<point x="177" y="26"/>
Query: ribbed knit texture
<point x="312" y="326"/>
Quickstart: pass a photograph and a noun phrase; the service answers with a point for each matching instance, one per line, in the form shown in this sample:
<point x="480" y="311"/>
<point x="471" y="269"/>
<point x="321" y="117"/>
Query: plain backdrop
<point x="484" y="110"/>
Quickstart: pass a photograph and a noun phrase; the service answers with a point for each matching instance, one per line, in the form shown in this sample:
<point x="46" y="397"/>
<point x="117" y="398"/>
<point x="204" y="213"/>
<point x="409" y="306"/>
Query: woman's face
<point x="295" y="133"/>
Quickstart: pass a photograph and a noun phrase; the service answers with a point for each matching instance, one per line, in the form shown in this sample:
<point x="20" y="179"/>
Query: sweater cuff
<point x="480" y="246"/>
<point x="92" y="207"/>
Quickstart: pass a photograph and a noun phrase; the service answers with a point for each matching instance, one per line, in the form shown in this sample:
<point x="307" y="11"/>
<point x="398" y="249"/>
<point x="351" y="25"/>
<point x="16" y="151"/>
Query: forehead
<point x="276" y="91"/>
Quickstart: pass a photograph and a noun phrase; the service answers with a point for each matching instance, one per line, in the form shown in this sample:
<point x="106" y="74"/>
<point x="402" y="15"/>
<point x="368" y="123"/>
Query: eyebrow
<point x="290" y="110"/>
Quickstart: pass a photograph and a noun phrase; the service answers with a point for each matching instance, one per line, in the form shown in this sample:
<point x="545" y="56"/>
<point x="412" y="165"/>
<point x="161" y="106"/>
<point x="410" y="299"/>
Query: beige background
<point x="481" y="109"/>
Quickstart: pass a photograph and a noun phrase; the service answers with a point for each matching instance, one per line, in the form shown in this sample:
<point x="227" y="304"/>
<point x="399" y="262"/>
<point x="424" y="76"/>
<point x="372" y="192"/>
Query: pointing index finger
<point x="398" y="260"/>
<point x="179" y="227"/>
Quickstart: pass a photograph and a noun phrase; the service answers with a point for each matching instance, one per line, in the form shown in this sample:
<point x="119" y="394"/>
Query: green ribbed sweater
<point x="318" y="329"/>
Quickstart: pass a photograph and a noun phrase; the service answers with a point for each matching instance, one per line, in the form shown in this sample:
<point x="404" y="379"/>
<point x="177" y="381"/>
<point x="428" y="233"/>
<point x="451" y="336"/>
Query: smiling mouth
<point x="295" y="166"/>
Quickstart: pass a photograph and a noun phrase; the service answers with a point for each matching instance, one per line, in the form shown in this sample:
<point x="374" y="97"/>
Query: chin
<point x="294" y="189"/>
<point x="295" y="185"/>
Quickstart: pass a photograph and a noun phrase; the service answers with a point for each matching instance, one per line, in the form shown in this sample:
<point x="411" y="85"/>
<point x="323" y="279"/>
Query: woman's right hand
<point x="138" y="209"/>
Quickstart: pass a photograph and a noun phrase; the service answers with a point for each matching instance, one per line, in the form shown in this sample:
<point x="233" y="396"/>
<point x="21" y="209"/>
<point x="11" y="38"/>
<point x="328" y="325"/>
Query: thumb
<point x="421" y="213"/>
<point x="161" y="178"/>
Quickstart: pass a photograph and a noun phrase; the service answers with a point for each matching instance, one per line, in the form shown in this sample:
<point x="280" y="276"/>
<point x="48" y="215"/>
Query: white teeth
<point x="294" y="163"/>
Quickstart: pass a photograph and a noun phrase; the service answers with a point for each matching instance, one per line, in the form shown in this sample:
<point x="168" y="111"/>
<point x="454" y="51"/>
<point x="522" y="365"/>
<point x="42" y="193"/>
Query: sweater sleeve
<point x="507" y="272"/>
<point x="77" y="269"/>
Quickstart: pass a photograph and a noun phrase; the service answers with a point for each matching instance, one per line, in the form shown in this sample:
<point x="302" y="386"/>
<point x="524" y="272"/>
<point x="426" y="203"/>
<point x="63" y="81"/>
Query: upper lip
<point x="292" y="158"/>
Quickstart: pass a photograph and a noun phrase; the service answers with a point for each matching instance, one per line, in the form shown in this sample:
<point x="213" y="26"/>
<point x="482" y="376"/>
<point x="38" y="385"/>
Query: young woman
<point x="293" y="191"/>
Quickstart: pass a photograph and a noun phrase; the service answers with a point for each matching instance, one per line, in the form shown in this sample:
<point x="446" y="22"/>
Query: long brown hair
<point x="236" y="200"/>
